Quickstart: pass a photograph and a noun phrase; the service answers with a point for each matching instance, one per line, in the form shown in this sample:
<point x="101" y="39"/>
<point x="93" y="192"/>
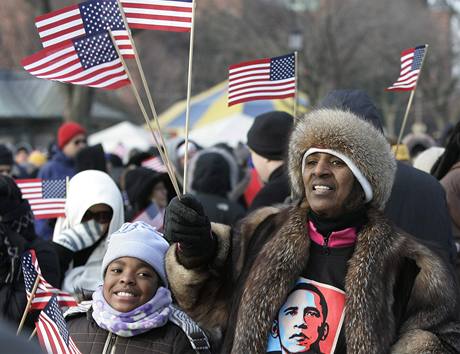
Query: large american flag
<point x="154" y="163"/>
<point x="262" y="79"/>
<point x="160" y="15"/>
<point x="87" y="18"/>
<point x="89" y="61"/>
<point x="45" y="290"/>
<point x="411" y="63"/>
<point x="52" y="331"/>
<point x="46" y="197"/>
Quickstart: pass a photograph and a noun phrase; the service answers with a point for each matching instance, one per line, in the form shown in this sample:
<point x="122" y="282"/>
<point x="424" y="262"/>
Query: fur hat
<point x="349" y="135"/>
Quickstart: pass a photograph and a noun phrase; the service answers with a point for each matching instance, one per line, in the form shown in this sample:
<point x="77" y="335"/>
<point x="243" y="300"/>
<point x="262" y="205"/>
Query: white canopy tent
<point x="122" y="137"/>
<point x="230" y="130"/>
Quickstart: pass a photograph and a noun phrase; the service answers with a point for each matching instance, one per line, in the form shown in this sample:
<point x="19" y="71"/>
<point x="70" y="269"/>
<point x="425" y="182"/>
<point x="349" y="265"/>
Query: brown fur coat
<point x="258" y="264"/>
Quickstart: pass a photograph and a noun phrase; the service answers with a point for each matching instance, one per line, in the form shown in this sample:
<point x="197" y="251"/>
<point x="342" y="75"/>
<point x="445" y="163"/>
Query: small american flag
<point x="45" y="290"/>
<point x="90" y="61"/>
<point x="160" y="15"/>
<point x="262" y="79"/>
<point x="411" y="63"/>
<point x="52" y="331"/>
<point x="152" y="216"/>
<point x="87" y="18"/>
<point x="46" y="197"/>
<point x="154" y="163"/>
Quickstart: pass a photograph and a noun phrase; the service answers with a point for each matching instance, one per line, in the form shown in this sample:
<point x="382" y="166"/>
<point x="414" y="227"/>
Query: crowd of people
<point x="310" y="238"/>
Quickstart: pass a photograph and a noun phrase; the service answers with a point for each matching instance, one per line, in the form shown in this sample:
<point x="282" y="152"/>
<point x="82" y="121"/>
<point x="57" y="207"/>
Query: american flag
<point x="152" y="216"/>
<point x="45" y="290"/>
<point x="262" y="79"/>
<point x="46" y="197"/>
<point x="90" y="61"/>
<point x="160" y="15"/>
<point x="52" y="331"/>
<point x="87" y="18"/>
<point x="411" y="63"/>
<point x="154" y="163"/>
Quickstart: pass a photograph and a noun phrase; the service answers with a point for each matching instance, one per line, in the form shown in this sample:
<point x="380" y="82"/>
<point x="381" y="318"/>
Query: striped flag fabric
<point x="154" y="163"/>
<point x="46" y="197"/>
<point x="52" y="331"/>
<point x="153" y="216"/>
<point x="411" y="63"/>
<point x="262" y="79"/>
<point x="89" y="61"/>
<point x="87" y="18"/>
<point x="31" y="270"/>
<point x="160" y="15"/>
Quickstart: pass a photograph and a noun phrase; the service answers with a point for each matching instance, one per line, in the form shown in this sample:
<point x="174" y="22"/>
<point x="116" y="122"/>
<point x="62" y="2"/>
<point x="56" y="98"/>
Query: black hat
<point x="139" y="183"/>
<point x="356" y="101"/>
<point x="269" y="134"/>
<point x="6" y="156"/>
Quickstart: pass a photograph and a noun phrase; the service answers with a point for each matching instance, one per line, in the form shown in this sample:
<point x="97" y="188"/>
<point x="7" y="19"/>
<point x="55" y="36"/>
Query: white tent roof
<point x="230" y="130"/>
<point x="124" y="135"/>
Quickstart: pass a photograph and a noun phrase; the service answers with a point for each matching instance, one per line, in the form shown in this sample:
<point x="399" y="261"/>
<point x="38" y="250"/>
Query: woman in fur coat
<point x="326" y="274"/>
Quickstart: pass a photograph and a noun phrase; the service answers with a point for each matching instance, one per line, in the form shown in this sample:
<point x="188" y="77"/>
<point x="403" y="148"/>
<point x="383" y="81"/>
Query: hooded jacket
<point x="213" y="176"/>
<point x="400" y="296"/>
<point x="86" y="189"/>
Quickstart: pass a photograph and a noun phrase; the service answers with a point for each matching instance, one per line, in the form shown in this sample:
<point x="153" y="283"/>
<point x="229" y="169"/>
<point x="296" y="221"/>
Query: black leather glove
<point x="186" y="224"/>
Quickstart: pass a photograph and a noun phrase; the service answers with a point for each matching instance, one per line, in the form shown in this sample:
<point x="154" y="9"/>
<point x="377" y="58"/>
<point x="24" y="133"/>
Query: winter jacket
<point x="451" y="184"/>
<point x="86" y="189"/>
<point x="59" y="167"/>
<point x="213" y="177"/>
<point x="91" y="339"/>
<point x="399" y="296"/>
<point x="257" y="265"/>
<point x="275" y="191"/>
<point x="418" y="206"/>
<point x="13" y="295"/>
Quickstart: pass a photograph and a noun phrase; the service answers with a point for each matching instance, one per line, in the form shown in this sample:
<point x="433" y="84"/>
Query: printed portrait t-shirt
<point x="311" y="319"/>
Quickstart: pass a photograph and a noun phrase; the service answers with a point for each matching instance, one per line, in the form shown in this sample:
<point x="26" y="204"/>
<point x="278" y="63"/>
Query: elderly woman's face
<point x="129" y="283"/>
<point x="328" y="182"/>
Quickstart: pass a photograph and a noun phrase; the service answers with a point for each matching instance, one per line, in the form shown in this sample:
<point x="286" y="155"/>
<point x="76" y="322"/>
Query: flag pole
<point x="144" y="113"/>
<point x="29" y="303"/>
<point x="296" y="95"/>
<point x="409" y="104"/>
<point x="166" y="160"/>
<point x="33" y="334"/>
<point x="189" y="90"/>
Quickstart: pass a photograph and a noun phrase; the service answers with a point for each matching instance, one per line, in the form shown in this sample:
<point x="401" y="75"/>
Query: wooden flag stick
<point x="33" y="334"/>
<point x="189" y="90"/>
<point x="167" y="162"/>
<point x="29" y="303"/>
<point x="296" y="95"/>
<point x="409" y="104"/>
<point x="144" y="113"/>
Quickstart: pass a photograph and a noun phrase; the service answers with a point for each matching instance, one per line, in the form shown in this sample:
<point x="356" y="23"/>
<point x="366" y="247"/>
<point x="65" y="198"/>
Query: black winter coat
<point x="91" y="339"/>
<point x="13" y="299"/>
<point x="274" y="192"/>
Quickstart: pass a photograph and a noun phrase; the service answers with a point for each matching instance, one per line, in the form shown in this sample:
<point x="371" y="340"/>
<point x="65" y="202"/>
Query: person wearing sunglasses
<point x="71" y="138"/>
<point x="94" y="210"/>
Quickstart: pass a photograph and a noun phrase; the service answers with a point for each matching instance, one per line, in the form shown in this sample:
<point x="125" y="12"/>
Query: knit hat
<point x="141" y="241"/>
<point x="349" y="135"/>
<point x="67" y="132"/>
<point x="6" y="156"/>
<point x="269" y="134"/>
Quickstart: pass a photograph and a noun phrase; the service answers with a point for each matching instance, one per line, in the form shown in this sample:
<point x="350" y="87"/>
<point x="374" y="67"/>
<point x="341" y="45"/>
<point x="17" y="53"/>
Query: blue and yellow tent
<point x="210" y="106"/>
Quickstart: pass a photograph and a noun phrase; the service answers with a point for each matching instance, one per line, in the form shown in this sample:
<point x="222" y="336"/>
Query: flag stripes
<point x="161" y="15"/>
<point x="268" y="78"/>
<point x="411" y="62"/>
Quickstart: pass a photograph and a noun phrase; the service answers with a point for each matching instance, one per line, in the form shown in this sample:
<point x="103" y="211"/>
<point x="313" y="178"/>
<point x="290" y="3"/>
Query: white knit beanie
<point x="141" y="241"/>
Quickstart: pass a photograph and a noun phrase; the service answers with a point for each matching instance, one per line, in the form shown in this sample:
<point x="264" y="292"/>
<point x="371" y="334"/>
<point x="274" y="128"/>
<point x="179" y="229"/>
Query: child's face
<point x="129" y="283"/>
